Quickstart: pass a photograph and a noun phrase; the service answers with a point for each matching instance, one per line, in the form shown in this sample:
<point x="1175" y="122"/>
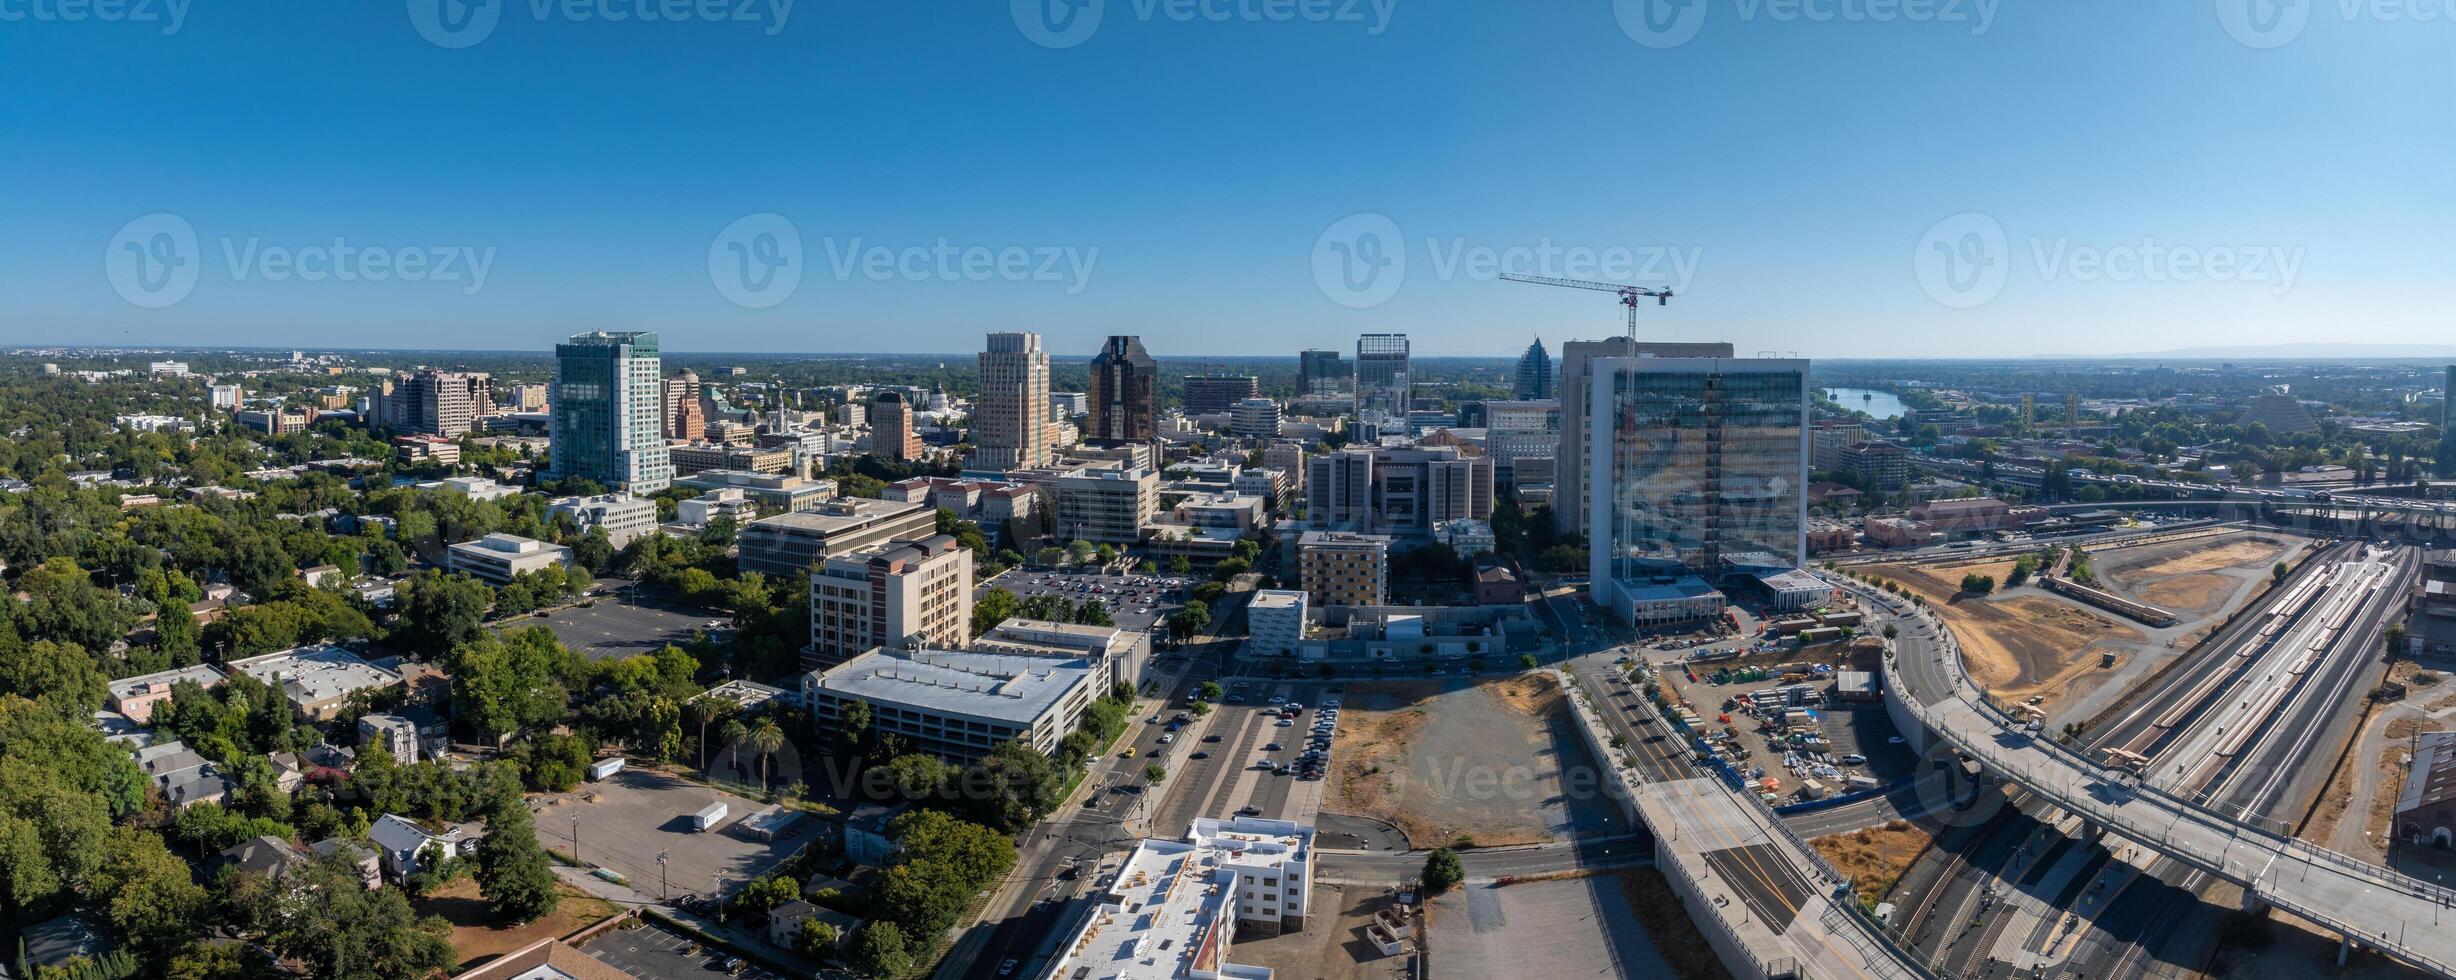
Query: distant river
<point x="1881" y="404"/>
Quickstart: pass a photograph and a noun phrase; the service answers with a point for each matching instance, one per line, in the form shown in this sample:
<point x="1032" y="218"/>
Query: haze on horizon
<point x="2021" y="180"/>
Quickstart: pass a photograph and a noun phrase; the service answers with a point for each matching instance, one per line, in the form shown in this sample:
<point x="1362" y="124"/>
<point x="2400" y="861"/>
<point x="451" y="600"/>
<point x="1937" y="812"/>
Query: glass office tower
<point x="608" y="405"/>
<point x="1696" y="462"/>
<point x="1384" y="386"/>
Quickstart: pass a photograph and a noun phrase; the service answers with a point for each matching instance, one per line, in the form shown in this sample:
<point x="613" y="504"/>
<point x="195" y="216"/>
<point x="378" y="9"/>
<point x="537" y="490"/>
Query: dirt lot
<point x="475" y="942"/>
<point x="1496" y="761"/>
<point x="2192" y="577"/>
<point x="1651" y="900"/>
<point x="1874" y="856"/>
<point x="2020" y="644"/>
<point x="1332" y="947"/>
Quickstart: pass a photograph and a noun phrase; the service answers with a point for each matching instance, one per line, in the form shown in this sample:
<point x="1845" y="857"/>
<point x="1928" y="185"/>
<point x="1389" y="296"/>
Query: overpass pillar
<point x="2252" y="903"/>
<point x="2092" y="831"/>
<point x="2345" y="944"/>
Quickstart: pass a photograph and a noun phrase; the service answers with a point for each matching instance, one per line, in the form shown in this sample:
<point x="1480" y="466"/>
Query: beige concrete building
<point x="901" y="594"/>
<point x="785" y="544"/>
<point x="1338" y="568"/>
<point x="1010" y="421"/>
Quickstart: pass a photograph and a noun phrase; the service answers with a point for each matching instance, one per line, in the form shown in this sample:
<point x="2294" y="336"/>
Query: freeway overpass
<point x="2399" y="916"/>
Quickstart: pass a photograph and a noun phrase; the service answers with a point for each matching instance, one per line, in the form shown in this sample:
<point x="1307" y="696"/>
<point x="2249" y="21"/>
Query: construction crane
<point x="1629" y="295"/>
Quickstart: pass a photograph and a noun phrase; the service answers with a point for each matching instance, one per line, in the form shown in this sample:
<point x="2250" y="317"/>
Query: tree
<point x="439" y="612"/>
<point x="1180" y="566"/>
<point x="919" y="776"/>
<point x="594" y="551"/>
<point x="979" y="856"/>
<point x="1190" y="620"/>
<point x="512" y="870"/>
<point x="148" y="892"/>
<point x="879" y="950"/>
<point x="766" y="738"/>
<point x="1093" y="612"/>
<point x="998" y="606"/>
<point x="1443" y="870"/>
<point x="2278" y="572"/>
<point x="815" y="940"/>
<point x="1891" y="631"/>
<point x="1017" y="786"/>
<point x="1155" y="774"/>
<point x="1208" y="690"/>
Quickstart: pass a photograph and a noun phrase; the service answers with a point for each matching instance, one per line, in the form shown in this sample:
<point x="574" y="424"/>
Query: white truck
<point x="603" y="769"/>
<point x="708" y="817"/>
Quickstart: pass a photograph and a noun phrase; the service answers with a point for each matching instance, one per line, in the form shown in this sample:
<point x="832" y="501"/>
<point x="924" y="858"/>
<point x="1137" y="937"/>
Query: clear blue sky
<point x="1801" y="164"/>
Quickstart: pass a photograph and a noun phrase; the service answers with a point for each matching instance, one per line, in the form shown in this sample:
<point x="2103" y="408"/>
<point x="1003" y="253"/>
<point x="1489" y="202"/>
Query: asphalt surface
<point x="654" y="951"/>
<point x="1123" y="599"/>
<point x="615" y="625"/>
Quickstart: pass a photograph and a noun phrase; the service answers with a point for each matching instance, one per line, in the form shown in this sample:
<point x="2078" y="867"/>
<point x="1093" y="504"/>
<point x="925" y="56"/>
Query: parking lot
<point x="614" y="626"/>
<point x="655" y="951"/>
<point x="1135" y="602"/>
<point x="1242" y="755"/>
<point x="639" y="814"/>
<point x="1832" y="743"/>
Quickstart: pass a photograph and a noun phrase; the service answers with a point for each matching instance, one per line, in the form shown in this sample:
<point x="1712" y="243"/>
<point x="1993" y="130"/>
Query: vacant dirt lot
<point x="2194" y="576"/>
<point x="2020" y="644"/>
<point x="1497" y="761"/>
<point x="1332" y="946"/>
<point x="1874" y="856"/>
<point x="475" y="941"/>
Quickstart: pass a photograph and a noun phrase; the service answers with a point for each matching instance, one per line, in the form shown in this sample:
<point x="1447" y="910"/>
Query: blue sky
<point x="1830" y="185"/>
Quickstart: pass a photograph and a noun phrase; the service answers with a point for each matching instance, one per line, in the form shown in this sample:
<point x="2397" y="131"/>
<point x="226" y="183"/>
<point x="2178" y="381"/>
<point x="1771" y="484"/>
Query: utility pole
<point x="575" y="839"/>
<point x="660" y="875"/>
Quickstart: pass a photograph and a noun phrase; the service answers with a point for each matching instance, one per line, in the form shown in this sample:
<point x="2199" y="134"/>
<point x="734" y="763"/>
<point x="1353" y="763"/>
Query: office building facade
<point x="1338" y="568"/>
<point x="957" y="705"/>
<point x="685" y="418"/>
<point x="1695" y="463"/>
<point x="1535" y="372"/>
<point x="435" y="403"/>
<point x="1213" y="394"/>
<point x="1385" y="384"/>
<point x="608" y="411"/>
<point x="1011" y="428"/>
<point x="1396" y="490"/>
<point x="1323" y="373"/>
<point x="785" y="544"/>
<point x="1569" y="492"/>
<point x="891" y="428"/>
<point x="1125" y="395"/>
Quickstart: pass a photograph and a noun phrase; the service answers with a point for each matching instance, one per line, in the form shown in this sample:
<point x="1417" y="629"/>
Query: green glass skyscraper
<point x="609" y="413"/>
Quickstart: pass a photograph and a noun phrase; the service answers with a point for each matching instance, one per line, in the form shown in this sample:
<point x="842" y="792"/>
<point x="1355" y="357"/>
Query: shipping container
<point x="707" y="818"/>
<point x="604" y="768"/>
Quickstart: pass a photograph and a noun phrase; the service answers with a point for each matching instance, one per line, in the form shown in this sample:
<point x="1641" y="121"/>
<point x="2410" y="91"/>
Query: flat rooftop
<point x="128" y="687"/>
<point x="993" y="686"/>
<point x="314" y="674"/>
<point x="1169" y="915"/>
<point x="840" y="515"/>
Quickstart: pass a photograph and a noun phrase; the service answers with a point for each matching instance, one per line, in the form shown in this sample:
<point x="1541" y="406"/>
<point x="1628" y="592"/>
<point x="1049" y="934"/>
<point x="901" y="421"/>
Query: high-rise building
<point x="1254" y="418"/>
<point x="685" y="419"/>
<point x="1125" y="392"/>
<point x="1010" y="421"/>
<point x="608" y="405"/>
<point x="1569" y="494"/>
<point x="1384" y="384"/>
<point x="1520" y="430"/>
<point x="1212" y="394"/>
<point x="1535" y="372"/>
<point x="1339" y="568"/>
<point x="891" y="431"/>
<point x="228" y="397"/>
<point x="1401" y="491"/>
<point x="2447" y="424"/>
<point x="435" y="403"/>
<point x="900" y="594"/>
<point x="1699" y="468"/>
<point x="1322" y="372"/>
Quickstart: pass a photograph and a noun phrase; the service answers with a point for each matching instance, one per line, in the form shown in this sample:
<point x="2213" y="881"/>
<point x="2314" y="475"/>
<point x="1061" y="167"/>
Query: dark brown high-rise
<point x="1125" y="393"/>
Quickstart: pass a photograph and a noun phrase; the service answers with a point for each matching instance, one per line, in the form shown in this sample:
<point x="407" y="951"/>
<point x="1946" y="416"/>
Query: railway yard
<point x="2247" y="721"/>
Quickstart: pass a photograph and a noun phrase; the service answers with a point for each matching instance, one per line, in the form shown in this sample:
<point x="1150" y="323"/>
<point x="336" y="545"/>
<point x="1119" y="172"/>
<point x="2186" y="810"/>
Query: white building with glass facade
<point x="608" y="411"/>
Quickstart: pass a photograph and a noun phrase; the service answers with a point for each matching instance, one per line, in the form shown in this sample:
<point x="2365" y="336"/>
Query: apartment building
<point x="1341" y="568"/>
<point x="624" y="518"/>
<point x="902" y="594"/>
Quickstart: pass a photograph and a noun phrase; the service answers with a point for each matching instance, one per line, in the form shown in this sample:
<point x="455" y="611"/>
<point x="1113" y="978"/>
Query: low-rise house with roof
<point x="400" y="841"/>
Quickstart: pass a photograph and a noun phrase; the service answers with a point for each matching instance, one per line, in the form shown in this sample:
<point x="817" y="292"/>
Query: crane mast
<point x="1629" y="295"/>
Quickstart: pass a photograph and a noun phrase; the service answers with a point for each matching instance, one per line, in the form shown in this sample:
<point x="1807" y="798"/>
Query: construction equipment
<point x="1629" y="295"/>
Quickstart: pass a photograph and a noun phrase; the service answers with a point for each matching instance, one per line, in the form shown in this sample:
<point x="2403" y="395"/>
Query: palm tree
<point x="733" y="733"/>
<point x="703" y="711"/>
<point x="765" y="739"/>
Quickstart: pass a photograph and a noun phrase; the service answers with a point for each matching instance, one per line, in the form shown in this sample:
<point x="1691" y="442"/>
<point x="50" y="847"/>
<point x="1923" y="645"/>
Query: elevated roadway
<point x="2371" y="906"/>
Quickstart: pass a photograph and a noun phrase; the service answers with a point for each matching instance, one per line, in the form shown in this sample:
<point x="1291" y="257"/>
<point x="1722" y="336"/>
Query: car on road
<point x="1249" y="811"/>
<point x="1236" y="697"/>
<point x="1165" y="739"/>
<point x="1007" y="969"/>
<point x="1854" y="759"/>
<point x="1270" y="747"/>
<point x="1199" y="755"/>
<point x="1895" y="740"/>
<point x="1210" y="738"/>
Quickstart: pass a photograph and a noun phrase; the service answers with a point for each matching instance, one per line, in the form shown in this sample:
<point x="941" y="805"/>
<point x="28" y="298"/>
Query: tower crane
<point x="1629" y="295"/>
